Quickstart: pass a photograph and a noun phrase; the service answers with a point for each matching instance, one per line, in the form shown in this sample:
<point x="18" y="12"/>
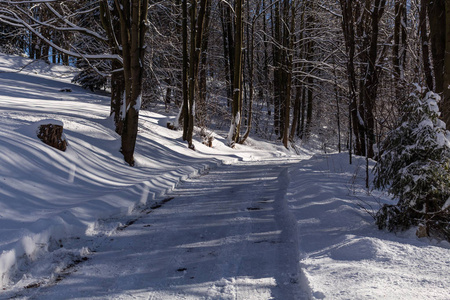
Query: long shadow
<point x="19" y="85"/>
<point x="216" y="239"/>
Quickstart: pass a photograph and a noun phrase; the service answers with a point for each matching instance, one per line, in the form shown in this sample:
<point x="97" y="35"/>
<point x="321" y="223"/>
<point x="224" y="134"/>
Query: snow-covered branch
<point x="11" y="2"/>
<point x="14" y="15"/>
<point x="72" y="26"/>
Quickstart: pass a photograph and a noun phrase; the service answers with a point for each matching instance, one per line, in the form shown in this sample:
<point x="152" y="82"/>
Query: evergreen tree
<point x="413" y="166"/>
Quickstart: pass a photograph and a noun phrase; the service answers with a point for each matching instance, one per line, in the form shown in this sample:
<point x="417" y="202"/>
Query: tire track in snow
<point x="224" y="235"/>
<point x="293" y="277"/>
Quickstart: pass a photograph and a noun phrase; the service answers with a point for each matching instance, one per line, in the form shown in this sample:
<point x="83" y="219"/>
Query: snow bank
<point x="49" y="197"/>
<point x="14" y="63"/>
<point x="343" y="254"/>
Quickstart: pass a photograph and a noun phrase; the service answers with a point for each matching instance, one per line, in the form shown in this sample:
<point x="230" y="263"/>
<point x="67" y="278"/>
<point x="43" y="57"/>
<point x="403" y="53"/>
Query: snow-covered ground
<point x="343" y="254"/>
<point x="255" y="222"/>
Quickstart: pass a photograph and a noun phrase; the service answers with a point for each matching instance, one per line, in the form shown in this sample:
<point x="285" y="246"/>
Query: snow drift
<point x="47" y="196"/>
<point x="51" y="202"/>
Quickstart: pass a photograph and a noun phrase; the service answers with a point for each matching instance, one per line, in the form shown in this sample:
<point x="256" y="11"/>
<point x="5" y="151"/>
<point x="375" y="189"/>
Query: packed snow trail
<point x="224" y="235"/>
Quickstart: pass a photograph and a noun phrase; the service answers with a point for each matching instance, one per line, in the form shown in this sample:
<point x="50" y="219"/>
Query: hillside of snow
<point x="56" y="207"/>
<point x="46" y="194"/>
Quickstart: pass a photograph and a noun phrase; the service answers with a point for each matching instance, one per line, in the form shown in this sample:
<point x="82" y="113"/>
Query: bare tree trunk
<point x="364" y="37"/>
<point x="228" y="48"/>
<point x="348" y="28"/>
<point x="310" y="19"/>
<point x="184" y="109"/>
<point x="184" y="115"/>
<point x="397" y="60"/>
<point x="111" y="23"/>
<point x="251" y="58"/>
<point x="446" y="84"/>
<point x="338" y="108"/>
<point x="301" y="127"/>
<point x="277" y="77"/>
<point x="133" y="56"/>
<point x="201" y="107"/>
<point x="290" y="34"/>
<point x="424" y="40"/>
<point x="371" y="83"/>
<point x="192" y="77"/>
<point x="299" y="106"/>
<point x="436" y="17"/>
<point x="296" y="113"/>
<point x="266" y="62"/>
<point x="197" y="27"/>
<point x="117" y="96"/>
<point x="225" y="52"/>
<point x="237" y="83"/>
<point x="309" y="108"/>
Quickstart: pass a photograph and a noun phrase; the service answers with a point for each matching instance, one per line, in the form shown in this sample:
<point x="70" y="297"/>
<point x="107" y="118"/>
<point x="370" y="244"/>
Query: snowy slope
<point x="265" y="228"/>
<point x="343" y="254"/>
<point x="47" y="195"/>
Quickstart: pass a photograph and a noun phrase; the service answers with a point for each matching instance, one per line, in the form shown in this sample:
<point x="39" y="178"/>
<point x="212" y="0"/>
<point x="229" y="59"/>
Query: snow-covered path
<point x="239" y="232"/>
<point x="224" y="235"/>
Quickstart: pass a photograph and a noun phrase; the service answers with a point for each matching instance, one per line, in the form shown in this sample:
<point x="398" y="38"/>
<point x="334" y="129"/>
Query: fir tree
<point x="413" y="166"/>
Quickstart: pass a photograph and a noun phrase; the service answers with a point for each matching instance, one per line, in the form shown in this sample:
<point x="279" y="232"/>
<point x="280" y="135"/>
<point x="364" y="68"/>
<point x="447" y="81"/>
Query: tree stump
<point x="51" y="134"/>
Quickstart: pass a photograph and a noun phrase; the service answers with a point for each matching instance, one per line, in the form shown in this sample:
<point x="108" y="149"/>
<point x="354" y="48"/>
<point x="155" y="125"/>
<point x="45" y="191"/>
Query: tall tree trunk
<point x="301" y="127"/>
<point x="228" y="48"/>
<point x="371" y="81"/>
<point x="184" y="115"/>
<point x="201" y="107"/>
<point x="277" y="78"/>
<point x="233" y="135"/>
<point x="32" y="48"/>
<point x="396" y="46"/>
<point x="366" y="16"/>
<point x="310" y="45"/>
<point x="117" y="96"/>
<point x="133" y="19"/>
<point x="299" y="105"/>
<point x="338" y="108"/>
<point x="290" y="34"/>
<point x="296" y="113"/>
<point x="266" y="80"/>
<point x="309" y="107"/>
<point x="197" y="27"/>
<point x="225" y="52"/>
<point x="250" y="63"/>
<point x="111" y="23"/>
<point x="192" y="77"/>
<point x="348" y="28"/>
<point x="363" y="31"/>
<point x="446" y="84"/>
<point x="424" y="41"/>
<point x="436" y="17"/>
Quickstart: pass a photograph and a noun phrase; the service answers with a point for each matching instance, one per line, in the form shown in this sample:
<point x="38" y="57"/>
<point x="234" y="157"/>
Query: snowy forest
<point x="282" y="70"/>
<point x="368" y="79"/>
